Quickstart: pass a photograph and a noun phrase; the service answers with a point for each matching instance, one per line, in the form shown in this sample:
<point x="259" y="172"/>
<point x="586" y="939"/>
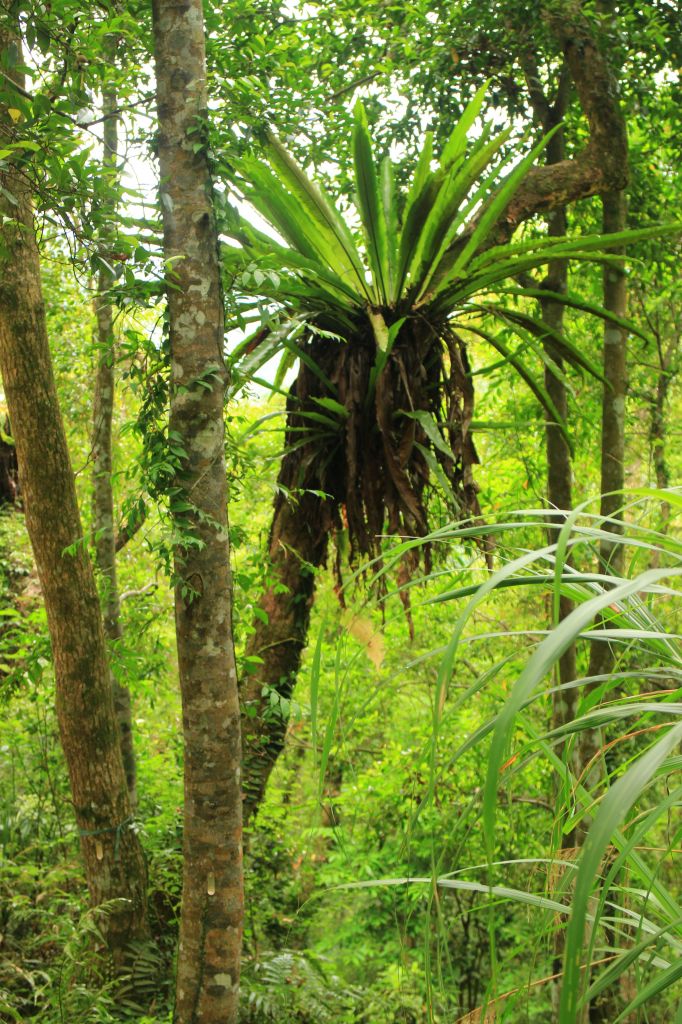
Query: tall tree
<point x="611" y="551"/>
<point x="103" y="411"/>
<point x="612" y="454"/>
<point x="212" y="897"/>
<point x="549" y="113"/>
<point x="112" y="855"/>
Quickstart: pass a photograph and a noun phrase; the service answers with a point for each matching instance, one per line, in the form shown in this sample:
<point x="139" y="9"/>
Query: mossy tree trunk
<point x="112" y="855"/>
<point x="559" y="480"/>
<point x="590" y="748"/>
<point x="547" y="114"/>
<point x="207" y="988"/>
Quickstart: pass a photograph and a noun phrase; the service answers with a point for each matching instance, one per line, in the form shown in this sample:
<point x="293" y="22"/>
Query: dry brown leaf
<point x="362" y="629"/>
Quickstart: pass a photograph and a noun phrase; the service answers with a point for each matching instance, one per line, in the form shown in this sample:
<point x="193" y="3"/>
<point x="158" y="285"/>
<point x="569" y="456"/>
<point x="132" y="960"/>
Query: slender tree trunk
<point x="559" y="495"/>
<point x="604" y="1008"/>
<point x="559" y="474"/>
<point x="103" y="497"/>
<point x="279" y="637"/>
<point x="611" y="552"/>
<point x="212" y="897"/>
<point x="547" y="114"/>
<point x="559" y="462"/>
<point x="113" y="859"/>
<point x="658" y="436"/>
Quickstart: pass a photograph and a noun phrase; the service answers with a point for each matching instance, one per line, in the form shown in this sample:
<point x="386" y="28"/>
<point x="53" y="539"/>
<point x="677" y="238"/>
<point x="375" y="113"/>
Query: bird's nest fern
<point x="383" y="401"/>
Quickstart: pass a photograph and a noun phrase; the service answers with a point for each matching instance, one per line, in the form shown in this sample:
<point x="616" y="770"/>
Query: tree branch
<point x="602" y="165"/>
<point x="127" y="594"/>
<point x="128" y="530"/>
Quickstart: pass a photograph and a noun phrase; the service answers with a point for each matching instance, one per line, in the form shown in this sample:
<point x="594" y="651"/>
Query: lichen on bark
<point x="207" y="987"/>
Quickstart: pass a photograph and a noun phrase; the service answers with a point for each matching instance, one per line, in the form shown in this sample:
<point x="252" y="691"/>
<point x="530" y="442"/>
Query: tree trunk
<point x="103" y="497"/>
<point x="559" y="464"/>
<point x="602" y="164"/>
<point x="559" y="475"/>
<point x="611" y="552"/>
<point x="113" y="859"/>
<point x="9" y="470"/>
<point x="212" y="898"/>
<point x="605" y="1007"/>
<point x="658" y="435"/>
<point x="296" y="549"/>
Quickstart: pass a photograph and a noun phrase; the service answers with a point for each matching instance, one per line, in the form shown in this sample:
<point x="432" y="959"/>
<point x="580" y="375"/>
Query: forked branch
<point x="602" y="166"/>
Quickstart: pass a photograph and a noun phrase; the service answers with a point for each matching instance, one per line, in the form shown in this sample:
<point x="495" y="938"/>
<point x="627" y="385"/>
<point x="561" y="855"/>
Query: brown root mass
<point x="374" y="463"/>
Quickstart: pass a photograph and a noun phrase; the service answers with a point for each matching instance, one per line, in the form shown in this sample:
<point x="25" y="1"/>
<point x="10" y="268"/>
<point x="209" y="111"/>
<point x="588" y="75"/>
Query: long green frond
<point x="370" y="205"/>
<point x="320" y="209"/>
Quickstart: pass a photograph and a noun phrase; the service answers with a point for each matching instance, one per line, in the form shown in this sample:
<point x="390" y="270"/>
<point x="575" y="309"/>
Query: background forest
<point x="423" y="262"/>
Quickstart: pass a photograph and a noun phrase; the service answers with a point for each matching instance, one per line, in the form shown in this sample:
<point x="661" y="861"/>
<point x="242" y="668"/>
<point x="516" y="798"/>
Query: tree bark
<point x="611" y="551"/>
<point x="559" y="464"/>
<point x="112" y="855"/>
<point x="207" y="988"/>
<point x="559" y="495"/>
<point x="103" y="410"/>
<point x="657" y="440"/>
<point x="658" y="429"/>
<point x="280" y="635"/>
<point x="602" y="166"/>
<point x="559" y="477"/>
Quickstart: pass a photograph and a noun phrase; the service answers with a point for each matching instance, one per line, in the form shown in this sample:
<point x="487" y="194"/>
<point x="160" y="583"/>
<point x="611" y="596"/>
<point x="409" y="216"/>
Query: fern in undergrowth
<point x="296" y="986"/>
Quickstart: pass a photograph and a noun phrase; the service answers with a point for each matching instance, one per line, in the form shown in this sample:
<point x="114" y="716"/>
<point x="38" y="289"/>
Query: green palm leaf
<point x="457" y="143"/>
<point x="575" y="302"/>
<point x="541" y="330"/>
<point x="494" y="210"/>
<point x="446" y="221"/>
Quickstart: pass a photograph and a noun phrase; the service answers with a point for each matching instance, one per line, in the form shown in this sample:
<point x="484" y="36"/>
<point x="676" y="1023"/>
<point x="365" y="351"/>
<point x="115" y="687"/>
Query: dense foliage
<point x="429" y="847"/>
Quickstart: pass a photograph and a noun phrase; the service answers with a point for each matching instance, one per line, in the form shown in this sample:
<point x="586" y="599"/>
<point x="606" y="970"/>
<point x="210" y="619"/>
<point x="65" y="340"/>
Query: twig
<point x="127" y="594"/>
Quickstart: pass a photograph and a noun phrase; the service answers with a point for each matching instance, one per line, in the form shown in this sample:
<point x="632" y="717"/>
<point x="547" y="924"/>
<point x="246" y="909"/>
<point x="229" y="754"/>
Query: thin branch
<point x="127" y="594"/>
<point x="127" y="532"/>
<point x="15" y="85"/>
